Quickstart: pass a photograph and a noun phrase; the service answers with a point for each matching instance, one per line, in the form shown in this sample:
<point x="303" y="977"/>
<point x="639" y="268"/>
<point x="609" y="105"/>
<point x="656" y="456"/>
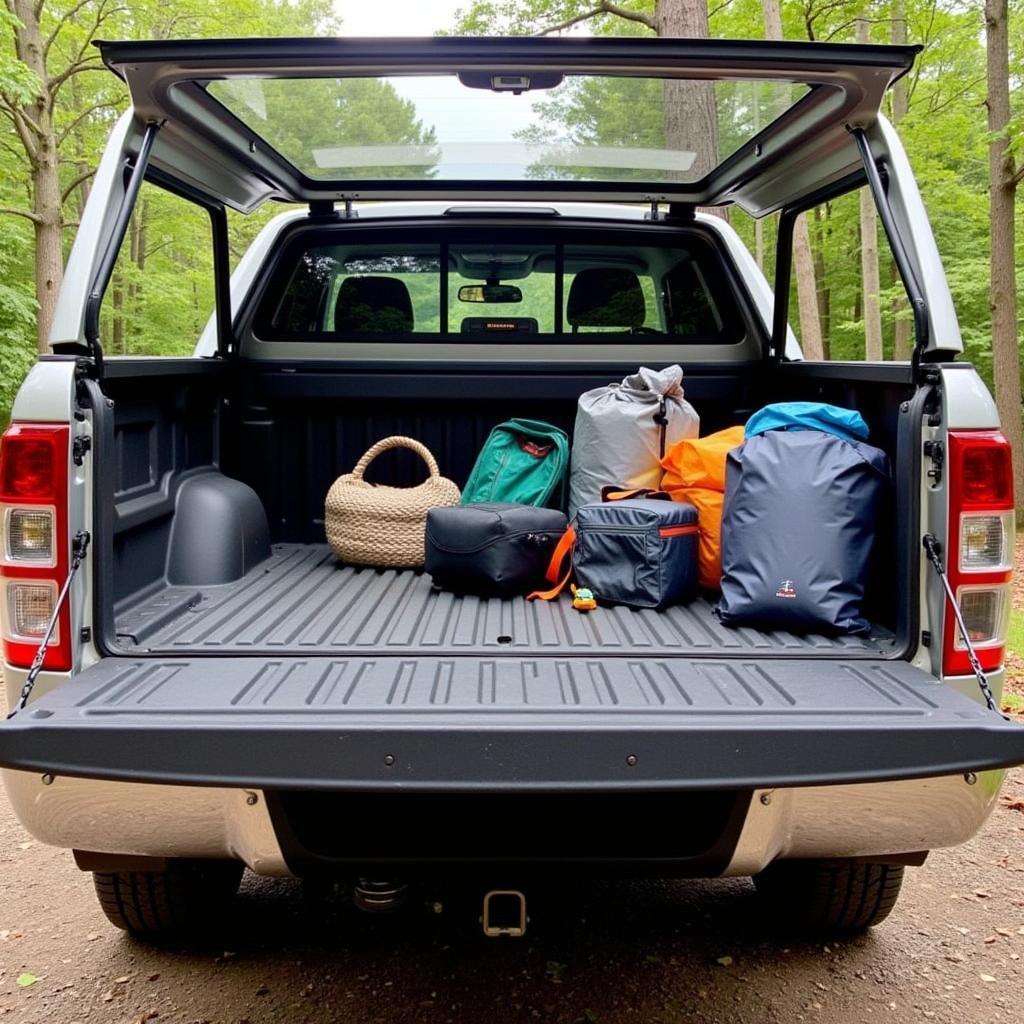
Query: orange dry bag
<point x="695" y="473"/>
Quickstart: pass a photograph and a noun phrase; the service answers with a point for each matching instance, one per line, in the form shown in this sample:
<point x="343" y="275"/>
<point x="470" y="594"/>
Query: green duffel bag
<point x="522" y="461"/>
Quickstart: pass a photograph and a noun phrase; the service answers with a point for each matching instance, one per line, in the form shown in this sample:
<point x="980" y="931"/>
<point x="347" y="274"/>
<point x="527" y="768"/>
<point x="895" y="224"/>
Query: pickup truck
<point x="218" y="692"/>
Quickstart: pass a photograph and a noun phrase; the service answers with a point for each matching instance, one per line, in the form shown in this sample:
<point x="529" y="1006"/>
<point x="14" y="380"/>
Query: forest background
<point x="960" y="114"/>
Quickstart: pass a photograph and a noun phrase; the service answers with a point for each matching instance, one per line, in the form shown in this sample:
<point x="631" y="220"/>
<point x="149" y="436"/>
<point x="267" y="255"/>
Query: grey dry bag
<point x="797" y="528"/>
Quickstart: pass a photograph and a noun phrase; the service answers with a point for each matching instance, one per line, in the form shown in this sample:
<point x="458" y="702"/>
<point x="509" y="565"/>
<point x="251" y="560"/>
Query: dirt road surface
<point x="678" y="953"/>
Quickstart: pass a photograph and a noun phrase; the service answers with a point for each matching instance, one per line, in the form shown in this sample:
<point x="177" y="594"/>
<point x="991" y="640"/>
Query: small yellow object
<point x="583" y="600"/>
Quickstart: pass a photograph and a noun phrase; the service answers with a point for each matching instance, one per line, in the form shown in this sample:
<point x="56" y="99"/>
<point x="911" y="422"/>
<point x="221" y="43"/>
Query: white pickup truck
<point x="218" y="692"/>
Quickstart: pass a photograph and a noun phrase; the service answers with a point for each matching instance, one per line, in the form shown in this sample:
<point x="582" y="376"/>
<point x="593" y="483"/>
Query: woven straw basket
<point x="370" y="524"/>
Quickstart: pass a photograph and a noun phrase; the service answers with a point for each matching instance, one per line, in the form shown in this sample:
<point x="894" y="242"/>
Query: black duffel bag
<point x="494" y="549"/>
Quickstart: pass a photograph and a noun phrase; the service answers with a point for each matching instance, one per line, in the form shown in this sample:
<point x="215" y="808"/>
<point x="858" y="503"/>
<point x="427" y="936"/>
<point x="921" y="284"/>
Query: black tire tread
<point x="834" y="897"/>
<point x="175" y="900"/>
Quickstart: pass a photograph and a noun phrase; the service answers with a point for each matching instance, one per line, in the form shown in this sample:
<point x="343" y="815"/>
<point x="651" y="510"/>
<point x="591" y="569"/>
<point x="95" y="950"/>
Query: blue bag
<point x="831" y="419"/>
<point x="639" y="552"/>
<point x="799" y="520"/>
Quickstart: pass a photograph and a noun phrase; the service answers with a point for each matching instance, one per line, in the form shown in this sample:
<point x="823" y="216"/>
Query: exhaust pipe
<point x="375" y="896"/>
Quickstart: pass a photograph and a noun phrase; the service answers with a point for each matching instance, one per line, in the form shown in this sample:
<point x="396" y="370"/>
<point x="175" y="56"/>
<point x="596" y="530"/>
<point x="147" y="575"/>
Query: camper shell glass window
<point x="478" y="126"/>
<point x="494" y="290"/>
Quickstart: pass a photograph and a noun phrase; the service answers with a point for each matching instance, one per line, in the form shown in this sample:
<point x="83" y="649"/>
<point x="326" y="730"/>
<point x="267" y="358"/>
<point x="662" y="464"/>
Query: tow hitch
<point x="504" y="913"/>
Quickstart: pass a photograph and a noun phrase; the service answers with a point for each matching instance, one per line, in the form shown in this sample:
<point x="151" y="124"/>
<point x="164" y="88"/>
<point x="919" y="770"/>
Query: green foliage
<point x="1015" y="636"/>
<point x="17" y="82"/>
<point x="944" y="132"/>
<point x="165" y="315"/>
<point x="17" y="317"/>
<point x="301" y="116"/>
<point x="160" y="296"/>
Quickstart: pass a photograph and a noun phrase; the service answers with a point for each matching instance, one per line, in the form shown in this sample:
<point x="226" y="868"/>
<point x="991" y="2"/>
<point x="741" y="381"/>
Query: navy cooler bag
<point x="638" y="552"/>
<point x="802" y="497"/>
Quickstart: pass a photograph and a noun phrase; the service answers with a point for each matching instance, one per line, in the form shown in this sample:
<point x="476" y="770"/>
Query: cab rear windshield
<point x="331" y="289"/>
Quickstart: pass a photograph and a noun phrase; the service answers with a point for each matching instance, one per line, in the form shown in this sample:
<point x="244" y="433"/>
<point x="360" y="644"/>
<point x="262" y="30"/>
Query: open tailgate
<point x="465" y="723"/>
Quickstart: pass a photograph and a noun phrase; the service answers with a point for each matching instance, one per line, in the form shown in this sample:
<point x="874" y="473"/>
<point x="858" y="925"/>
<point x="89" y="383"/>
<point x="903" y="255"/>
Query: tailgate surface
<point x="465" y="723"/>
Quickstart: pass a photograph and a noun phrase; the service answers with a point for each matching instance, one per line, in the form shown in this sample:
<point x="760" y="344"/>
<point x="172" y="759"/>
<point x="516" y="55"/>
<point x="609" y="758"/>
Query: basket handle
<point x="387" y="444"/>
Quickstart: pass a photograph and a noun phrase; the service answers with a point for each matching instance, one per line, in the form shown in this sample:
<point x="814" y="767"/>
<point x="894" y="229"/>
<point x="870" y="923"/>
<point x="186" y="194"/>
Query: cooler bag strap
<point x="616" y="494"/>
<point x="555" y="572"/>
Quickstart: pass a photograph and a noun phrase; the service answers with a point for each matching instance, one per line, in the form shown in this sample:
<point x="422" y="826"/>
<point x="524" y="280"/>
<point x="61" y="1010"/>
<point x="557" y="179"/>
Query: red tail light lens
<point x="34" y="546"/>
<point x="29" y="462"/>
<point x="980" y="547"/>
<point x="981" y="468"/>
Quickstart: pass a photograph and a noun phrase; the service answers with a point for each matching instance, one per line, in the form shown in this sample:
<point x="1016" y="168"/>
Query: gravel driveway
<point x="652" y="952"/>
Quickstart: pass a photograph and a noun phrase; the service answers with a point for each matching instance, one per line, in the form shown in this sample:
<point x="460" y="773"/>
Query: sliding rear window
<point x="330" y="290"/>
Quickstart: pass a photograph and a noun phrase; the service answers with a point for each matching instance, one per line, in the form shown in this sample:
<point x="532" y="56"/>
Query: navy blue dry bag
<point x="800" y="516"/>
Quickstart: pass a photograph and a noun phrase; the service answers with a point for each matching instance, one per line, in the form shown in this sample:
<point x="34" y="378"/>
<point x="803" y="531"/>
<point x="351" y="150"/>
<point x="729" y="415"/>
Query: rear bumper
<point x="868" y="820"/>
<point x="176" y="758"/>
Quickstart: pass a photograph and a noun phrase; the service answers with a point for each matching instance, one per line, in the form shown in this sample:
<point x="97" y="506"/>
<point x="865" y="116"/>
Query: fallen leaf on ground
<point x="724" y="961"/>
<point x="26" y="979"/>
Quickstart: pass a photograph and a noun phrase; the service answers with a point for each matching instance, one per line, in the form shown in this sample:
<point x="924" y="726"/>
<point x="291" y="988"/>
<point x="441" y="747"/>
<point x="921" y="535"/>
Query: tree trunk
<point x="902" y="332"/>
<point x="49" y="263"/>
<point x="869" y="278"/>
<point x="772" y="10"/>
<point x="691" y="114"/>
<point x="40" y="142"/>
<point x="821" y="216"/>
<point x="81" y="164"/>
<point x="803" y="260"/>
<point x="870" y="284"/>
<point x="811" y="340"/>
<point x="1003" y="290"/>
<point x="117" y="313"/>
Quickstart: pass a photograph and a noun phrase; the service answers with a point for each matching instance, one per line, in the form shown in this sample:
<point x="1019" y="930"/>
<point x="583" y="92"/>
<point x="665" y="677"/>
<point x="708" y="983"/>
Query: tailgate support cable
<point x="79" y="546"/>
<point x="933" y="549"/>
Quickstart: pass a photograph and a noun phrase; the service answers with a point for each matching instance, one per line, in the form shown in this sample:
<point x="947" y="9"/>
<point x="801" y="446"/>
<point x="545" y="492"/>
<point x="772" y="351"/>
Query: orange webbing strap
<point x="554" y="572"/>
<point x="611" y="494"/>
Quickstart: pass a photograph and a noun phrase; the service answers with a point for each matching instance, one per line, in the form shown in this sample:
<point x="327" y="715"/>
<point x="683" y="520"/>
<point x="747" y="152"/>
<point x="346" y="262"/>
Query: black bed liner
<point x="300" y="601"/>
<point x="505" y="723"/>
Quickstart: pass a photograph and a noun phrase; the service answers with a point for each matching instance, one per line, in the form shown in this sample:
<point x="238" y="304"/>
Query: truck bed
<point x="301" y="601"/>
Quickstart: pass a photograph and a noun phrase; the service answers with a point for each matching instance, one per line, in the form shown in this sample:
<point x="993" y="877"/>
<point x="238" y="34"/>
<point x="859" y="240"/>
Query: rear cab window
<point x="324" y="290"/>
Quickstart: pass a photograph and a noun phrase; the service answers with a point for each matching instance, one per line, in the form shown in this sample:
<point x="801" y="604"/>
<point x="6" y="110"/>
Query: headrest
<point x="377" y="305"/>
<point x="606" y="297"/>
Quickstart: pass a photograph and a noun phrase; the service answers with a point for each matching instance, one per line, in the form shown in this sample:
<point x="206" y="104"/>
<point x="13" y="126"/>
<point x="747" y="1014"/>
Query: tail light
<point x="981" y="537"/>
<point x="34" y="542"/>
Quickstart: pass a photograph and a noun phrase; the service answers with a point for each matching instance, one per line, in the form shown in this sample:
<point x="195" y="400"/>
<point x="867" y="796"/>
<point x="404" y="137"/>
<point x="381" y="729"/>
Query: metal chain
<point x="78" y="548"/>
<point x="933" y="549"/>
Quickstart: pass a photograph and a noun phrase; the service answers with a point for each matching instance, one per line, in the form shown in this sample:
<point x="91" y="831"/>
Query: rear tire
<point x="185" y="896"/>
<point x="830" y="897"/>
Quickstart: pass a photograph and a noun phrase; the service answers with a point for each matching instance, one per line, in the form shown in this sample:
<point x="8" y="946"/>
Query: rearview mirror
<point x="490" y="293"/>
